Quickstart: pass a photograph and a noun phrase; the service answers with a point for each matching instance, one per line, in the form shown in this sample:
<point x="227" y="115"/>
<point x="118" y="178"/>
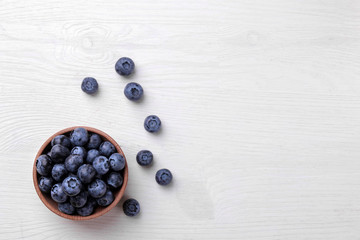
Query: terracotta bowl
<point x="52" y="205"/>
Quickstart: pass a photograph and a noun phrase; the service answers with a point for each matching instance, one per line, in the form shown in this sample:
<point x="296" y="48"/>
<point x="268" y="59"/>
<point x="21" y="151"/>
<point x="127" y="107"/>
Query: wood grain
<point x="259" y="100"/>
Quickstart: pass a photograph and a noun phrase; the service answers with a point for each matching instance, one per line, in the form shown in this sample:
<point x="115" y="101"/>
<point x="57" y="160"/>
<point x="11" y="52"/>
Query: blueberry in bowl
<point x="70" y="182"/>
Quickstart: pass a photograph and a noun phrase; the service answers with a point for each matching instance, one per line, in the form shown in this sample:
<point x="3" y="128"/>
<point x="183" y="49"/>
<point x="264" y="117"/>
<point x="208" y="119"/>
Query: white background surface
<point x="260" y="104"/>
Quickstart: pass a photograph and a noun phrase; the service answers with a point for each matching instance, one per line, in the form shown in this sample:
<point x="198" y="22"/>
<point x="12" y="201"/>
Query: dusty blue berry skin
<point x="89" y="85"/>
<point x="59" y="172"/>
<point x="163" y="176"/>
<point x="59" y="153"/>
<point x="131" y="207"/>
<point x="101" y="165"/>
<point x="106" y="149"/>
<point x="124" y="66"/>
<point x="45" y="184"/>
<point x="79" y="200"/>
<point x="152" y="123"/>
<point x="133" y="91"/>
<point x="72" y="186"/>
<point x="43" y="165"/>
<point x="86" y="210"/>
<point x="73" y="162"/>
<point x="66" y="208"/>
<point x="97" y="188"/>
<point x="91" y="155"/>
<point x="117" y="162"/>
<point x="58" y="194"/>
<point x="144" y="158"/>
<point x="86" y="173"/>
<point x="62" y="140"/>
<point x="114" y="179"/>
<point x="106" y="200"/>
<point x="79" y="151"/>
<point x="94" y="141"/>
<point x="79" y="137"/>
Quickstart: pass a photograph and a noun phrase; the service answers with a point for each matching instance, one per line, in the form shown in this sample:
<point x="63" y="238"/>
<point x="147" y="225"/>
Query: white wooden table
<point x="260" y="104"/>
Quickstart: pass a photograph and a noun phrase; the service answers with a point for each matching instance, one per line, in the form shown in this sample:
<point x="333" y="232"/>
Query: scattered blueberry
<point x="133" y="91"/>
<point x="66" y="208"/>
<point x="124" y="66"/>
<point x="144" y="157"/>
<point x="106" y="199"/>
<point x="152" y="123"/>
<point x="86" y="173"/>
<point x="72" y="186"/>
<point x="86" y="210"/>
<point x="79" y="151"/>
<point x="131" y="207"/>
<point x="45" y="184"/>
<point x="58" y="194"/>
<point x="73" y="162"/>
<point x="89" y="85"/>
<point x="79" y="200"/>
<point x="94" y="141"/>
<point x="163" y="176"/>
<point x="62" y="140"/>
<point x="97" y="188"/>
<point x="101" y="165"/>
<point x="59" y="153"/>
<point x="114" y="179"/>
<point x="91" y="155"/>
<point x="107" y="148"/>
<point x="59" y="172"/>
<point x="43" y="165"/>
<point x="117" y="161"/>
<point x="79" y="137"/>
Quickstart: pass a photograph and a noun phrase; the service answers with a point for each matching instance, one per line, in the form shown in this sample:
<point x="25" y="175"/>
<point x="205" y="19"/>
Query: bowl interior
<point x="51" y="204"/>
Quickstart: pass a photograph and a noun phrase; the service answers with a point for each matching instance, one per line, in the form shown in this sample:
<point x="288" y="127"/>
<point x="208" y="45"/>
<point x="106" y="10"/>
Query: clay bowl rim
<point x="118" y="195"/>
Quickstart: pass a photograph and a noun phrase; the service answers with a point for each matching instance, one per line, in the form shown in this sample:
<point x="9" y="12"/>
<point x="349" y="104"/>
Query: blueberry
<point x="144" y="157"/>
<point x="66" y="208"/>
<point x="59" y="153"/>
<point x="97" y="188"/>
<point x="79" y="137"/>
<point x="59" y="172"/>
<point x="79" y="151"/>
<point x="73" y="162"/>
<point x="101" y="165"/>
<point x="117" y="161"/>
<point x="133" y="91"/>
<point x="106" y="199"/>
<point x="114" y="180"/>
<point x="72" y="186"/>
<point x="79" y="200"/>
<point x="86" y="173"/>
<point x="43" y="165"/>
<point x="131" y="207"/>
<point x="45" y="184"/>
<point x="152" y="123"/>
<point x="94" y="141"/>
<point x="124" y="66"/>
<point x="92" y="201"/>
<point x="58" y="194"/>
<point x="86" y="210"/>
<point x="163" y="176"/>
<point x="62" y="140"/>
<point x="89" y="85"/>
<point x="91" y="155"/>
<point x="107" y="148"/>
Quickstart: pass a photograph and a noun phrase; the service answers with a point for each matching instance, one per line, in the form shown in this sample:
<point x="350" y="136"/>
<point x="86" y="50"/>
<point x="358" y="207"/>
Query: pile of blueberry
<point x="85" y="176"/>
<point x="80" y="172"/>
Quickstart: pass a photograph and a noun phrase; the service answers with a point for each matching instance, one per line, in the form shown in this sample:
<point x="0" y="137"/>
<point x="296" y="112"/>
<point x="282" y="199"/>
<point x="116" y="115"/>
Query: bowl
<point x="51" y="204"/>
